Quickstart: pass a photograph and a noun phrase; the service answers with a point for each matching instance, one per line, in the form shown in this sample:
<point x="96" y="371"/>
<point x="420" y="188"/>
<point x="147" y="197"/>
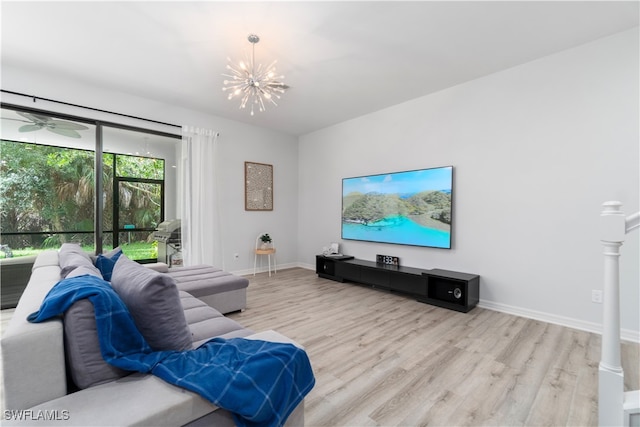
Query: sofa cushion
<point x="106" y="262"/>
<point x="82" y="348"/>
<point x="33" y="365"/>
<point x="44" y="259"/>
<point x="84" y="269"/>
<point x="154" y="303"/>
<point x="206" y="322"/>
<point x="204" y="280"/>
<point x="86" y="366"/>
<point x="71" y="256"/>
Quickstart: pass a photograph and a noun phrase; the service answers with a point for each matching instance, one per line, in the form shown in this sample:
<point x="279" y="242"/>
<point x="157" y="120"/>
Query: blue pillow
<point x="105" y="263"/>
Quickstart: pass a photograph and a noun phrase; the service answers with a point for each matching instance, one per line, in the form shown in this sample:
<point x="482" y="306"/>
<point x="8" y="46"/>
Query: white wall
<point x="238" y="143"/>
<point x="536" y="150"/>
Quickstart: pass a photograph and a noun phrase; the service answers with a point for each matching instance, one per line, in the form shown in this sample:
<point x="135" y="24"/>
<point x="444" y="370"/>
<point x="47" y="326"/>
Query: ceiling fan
<point x="61" y="127"/>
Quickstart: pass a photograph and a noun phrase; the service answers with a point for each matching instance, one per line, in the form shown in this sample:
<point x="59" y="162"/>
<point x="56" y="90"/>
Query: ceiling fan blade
<point x="60" y="124"/>
<point x="15" y="120"/>
<point x="35" y="118"/>
<point x="65" y="132"/>
<point x="29" y="128"/>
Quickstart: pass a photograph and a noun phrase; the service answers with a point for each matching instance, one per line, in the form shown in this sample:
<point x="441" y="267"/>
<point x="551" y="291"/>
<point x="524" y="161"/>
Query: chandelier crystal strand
<point x="254" y="85"/>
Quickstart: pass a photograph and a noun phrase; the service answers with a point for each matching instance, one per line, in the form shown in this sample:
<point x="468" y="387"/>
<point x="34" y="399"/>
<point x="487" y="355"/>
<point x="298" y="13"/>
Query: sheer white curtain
<point x="201" y="242"/>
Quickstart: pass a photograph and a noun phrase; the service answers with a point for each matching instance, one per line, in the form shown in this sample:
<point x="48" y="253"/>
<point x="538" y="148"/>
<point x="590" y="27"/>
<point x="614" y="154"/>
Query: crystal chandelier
<point x="256" y="85"/>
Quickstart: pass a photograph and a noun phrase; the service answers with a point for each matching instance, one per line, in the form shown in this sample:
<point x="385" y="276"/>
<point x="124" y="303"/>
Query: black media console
<point x="448" y="289"/>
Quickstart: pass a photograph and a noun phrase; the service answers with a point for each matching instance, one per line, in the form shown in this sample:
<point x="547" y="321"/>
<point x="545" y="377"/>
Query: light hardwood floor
<point x="386" y="360"/>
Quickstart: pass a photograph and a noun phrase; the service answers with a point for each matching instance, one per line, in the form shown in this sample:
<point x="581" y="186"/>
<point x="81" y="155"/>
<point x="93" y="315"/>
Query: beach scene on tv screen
<point x="410" y="208"/>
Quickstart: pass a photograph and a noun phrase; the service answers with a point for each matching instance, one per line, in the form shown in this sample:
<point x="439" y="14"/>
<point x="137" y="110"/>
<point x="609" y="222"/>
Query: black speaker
<point x="446" y="290"/>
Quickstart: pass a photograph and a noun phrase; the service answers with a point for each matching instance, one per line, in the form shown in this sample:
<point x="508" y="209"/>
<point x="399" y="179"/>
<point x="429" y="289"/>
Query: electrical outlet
<point x="596" y="296"/>
<point x="236" y="256"/>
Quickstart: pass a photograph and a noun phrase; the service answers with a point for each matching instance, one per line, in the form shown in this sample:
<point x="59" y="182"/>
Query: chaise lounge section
<point x="219" y="289"/>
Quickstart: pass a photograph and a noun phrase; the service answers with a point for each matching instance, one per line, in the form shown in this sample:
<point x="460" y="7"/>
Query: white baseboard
<point x="306" y="266"/>
<point x="625" y="334"/>
<point x="263" y="269"/>
<point x="246" y="272"/>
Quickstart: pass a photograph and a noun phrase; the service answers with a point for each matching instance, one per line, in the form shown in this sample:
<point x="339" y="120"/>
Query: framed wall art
<point x="258" y="186"/>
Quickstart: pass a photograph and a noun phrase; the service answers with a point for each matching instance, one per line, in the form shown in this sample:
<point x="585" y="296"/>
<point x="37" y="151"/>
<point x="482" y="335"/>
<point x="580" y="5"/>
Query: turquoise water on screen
<point x="399" y="230"/>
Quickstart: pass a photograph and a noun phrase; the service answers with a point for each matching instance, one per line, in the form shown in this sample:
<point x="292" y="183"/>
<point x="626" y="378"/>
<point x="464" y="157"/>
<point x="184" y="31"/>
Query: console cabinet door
<point x="453" y="290"/>
<point x="409" y="283"/>
<point x="325" y="266"/>
<point x="374" y="276"/>
<point x="348" y="271"/>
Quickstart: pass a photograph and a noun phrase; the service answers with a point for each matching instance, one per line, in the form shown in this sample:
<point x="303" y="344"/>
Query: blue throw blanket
<point x="259" y="382"/>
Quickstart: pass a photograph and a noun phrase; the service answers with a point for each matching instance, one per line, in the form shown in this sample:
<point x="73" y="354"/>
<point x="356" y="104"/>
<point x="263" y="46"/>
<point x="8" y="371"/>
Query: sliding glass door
<point x="137" y="202"/>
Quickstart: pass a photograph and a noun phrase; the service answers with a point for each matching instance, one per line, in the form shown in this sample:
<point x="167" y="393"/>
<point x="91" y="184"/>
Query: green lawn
<point x="135" y="250"/>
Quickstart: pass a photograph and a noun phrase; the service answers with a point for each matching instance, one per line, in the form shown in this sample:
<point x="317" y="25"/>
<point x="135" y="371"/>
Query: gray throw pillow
<point x="82" y="347"/>
<point x="72" y="256"/>
<point x="154" y="303"/>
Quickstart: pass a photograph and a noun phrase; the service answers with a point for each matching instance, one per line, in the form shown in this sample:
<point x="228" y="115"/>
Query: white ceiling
<point x="341" y="59"/>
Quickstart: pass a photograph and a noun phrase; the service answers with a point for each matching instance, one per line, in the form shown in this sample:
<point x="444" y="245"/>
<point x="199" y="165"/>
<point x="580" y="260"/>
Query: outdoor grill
<point x="169" y="237"/>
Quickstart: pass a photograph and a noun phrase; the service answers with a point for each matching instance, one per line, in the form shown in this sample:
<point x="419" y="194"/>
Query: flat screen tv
<point x="406" y="208"/>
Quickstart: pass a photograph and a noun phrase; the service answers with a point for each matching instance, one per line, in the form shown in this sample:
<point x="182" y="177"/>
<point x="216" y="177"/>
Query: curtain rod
<point x="87" y="108"/>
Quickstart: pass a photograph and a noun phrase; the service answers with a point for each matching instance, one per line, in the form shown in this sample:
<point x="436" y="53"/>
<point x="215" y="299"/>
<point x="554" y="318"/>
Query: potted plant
<point x="266" y="240"/>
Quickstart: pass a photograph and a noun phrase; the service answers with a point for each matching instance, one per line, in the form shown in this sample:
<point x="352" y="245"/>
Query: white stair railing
<point x="615" y="407"/>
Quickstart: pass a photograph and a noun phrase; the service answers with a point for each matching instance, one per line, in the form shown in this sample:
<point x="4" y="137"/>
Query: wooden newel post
<point x="611" y="377"/>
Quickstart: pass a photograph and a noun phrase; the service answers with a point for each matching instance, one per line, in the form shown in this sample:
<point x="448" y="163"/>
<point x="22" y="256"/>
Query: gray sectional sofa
<point x="48" y="375"/>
